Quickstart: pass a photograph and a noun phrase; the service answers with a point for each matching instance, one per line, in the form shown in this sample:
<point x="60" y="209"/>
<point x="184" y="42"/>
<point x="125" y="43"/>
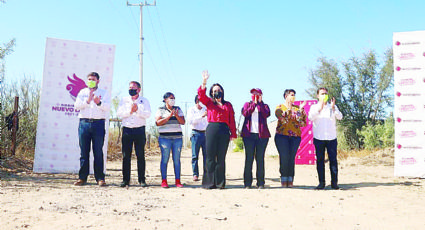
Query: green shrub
<point x="380" y="135"/>
<point x="238" y="144"/>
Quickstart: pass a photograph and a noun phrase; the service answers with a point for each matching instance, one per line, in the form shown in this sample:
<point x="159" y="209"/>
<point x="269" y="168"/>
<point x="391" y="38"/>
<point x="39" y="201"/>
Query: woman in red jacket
<point x="255" y="134"/>
<point x="221" y="128"/>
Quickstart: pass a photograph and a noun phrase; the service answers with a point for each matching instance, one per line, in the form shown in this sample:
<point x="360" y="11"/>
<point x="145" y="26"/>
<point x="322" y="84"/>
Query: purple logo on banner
<point x="76" y="84"/>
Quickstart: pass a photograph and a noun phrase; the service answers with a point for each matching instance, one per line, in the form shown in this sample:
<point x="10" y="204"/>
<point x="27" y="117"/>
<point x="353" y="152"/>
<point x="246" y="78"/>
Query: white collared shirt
<point x="92" y="110"/>
<point x="324" y="123"/>
<point x="138" y="118"/>
<point x="195" y="119"/>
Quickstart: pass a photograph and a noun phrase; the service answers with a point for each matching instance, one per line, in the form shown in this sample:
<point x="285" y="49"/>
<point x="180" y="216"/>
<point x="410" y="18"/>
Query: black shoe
<point x="124" y="184"/>
<point x="261" y="187"/>
<point x="320" y="187"/>
<point x="336" y="187"/>
<point x="247" y="187"/>
<point x="143" y="184"/>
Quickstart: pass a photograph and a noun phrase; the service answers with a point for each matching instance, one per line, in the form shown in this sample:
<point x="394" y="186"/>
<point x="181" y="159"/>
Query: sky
<point x="244" y="44"/>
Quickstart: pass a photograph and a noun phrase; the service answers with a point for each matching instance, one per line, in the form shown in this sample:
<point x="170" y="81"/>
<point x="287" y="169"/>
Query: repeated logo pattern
<point x="409" y="103"/>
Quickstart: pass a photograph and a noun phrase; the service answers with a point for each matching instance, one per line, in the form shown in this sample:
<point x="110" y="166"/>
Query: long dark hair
<point x="211" y="93"/>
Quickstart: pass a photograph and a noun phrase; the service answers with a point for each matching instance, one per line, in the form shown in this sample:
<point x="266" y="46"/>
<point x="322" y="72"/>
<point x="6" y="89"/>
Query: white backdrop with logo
<point x="66" y="66"/>
<point x="409" y="102"/>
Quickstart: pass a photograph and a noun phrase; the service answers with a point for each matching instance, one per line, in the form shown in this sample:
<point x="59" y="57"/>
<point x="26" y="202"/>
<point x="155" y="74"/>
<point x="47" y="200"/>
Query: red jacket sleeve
<point x="248" y="109"/>
<point x="263" y="109"/>
<point x="203" y="97"/>
<point x="232" y="124"/>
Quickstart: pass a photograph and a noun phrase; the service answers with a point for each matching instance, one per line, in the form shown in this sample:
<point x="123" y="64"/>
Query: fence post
<point x="15" y="125"/>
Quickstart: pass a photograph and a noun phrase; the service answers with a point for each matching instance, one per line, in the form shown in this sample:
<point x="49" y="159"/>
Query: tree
<point x="362" y="87"/>
<point x="4" y="51"/>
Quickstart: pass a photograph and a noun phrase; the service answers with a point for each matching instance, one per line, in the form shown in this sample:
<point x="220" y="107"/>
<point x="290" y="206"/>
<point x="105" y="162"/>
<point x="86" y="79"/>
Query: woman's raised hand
<point x="205" y="76"/>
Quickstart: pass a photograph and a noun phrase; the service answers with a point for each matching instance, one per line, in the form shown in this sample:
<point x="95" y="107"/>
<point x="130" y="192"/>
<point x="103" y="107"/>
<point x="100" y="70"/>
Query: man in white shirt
<point x="134" y="110"/>
<point x="324" y="116"/>
<point x="94" y="105"/>
<point x="197" y="118"/>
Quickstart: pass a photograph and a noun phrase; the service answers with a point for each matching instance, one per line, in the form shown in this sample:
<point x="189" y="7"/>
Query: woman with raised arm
<point x="221" y="128"/>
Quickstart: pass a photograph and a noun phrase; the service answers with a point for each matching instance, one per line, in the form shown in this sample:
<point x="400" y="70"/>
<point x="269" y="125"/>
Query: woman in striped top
<point x="168" y="119"/>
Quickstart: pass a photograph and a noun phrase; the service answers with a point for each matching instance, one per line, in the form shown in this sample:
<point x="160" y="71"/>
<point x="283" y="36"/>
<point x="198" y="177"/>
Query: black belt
<point x="141" y="127"/>
<point x="199" y="131"/>
<point x="91" y="120"/>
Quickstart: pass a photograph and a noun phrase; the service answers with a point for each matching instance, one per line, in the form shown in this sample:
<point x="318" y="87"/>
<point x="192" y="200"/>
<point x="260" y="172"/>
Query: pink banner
<point x="306" y="154"/>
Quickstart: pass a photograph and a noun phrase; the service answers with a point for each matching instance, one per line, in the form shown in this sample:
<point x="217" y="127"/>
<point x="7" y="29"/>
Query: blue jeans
<point x="198" y="142"/>
<point x="287" y="146"/>
<point x="167" y="145"/>
<point x="91" y="132"/>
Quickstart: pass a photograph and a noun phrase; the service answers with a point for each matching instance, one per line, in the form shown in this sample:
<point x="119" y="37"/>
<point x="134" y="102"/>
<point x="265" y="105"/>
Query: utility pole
<point x="186" y="125"/>
<point x="141" y="5"/>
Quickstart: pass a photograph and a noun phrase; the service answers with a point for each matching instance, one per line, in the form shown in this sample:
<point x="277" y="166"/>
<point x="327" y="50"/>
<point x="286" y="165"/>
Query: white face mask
<point x="202" y="105"/>
<point x="171" y="102"/>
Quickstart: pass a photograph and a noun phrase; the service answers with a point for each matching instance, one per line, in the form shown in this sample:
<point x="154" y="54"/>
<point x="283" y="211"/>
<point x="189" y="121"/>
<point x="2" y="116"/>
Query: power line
<point x="167" y="71"/>
<point x="154" y="67"/>
<point x="165" y="41"/>
<point x="118" y="12"/>
<point x="134" y="19"/>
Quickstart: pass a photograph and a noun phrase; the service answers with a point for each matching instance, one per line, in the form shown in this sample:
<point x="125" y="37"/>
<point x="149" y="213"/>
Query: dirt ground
<point x="370" y="198"/>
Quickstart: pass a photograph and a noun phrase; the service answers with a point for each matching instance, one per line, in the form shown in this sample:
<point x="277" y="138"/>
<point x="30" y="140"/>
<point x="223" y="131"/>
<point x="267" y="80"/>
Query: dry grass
<point x="369" y="157"/>
<point x="114" y="146"/>
<point x="23" y="161"/>
<point x="345" y="154"/>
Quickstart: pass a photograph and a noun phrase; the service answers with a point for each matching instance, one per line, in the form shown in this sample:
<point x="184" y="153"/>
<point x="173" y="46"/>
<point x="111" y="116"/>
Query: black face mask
<point x="132" y="92"/>
<point x="218" y="95"/>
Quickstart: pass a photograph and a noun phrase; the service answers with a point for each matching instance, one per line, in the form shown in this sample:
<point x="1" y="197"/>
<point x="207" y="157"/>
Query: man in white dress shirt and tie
<point x="197" y="118"/>
<point x="134" y="110"/>
<point x="94" y="105"/>
<point x="324" y="116"/>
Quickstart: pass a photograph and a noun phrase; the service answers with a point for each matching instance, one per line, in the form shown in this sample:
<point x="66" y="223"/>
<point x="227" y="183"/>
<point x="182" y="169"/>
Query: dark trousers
<point x="255" y="147"/>
<point x="198" y="143"/>
<point x="331" y="147"/>
<point x="217" y="141"/>
<point x="91" y="132"/>
<point x="136" y="137"/>
<point x="287" y="146"/>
